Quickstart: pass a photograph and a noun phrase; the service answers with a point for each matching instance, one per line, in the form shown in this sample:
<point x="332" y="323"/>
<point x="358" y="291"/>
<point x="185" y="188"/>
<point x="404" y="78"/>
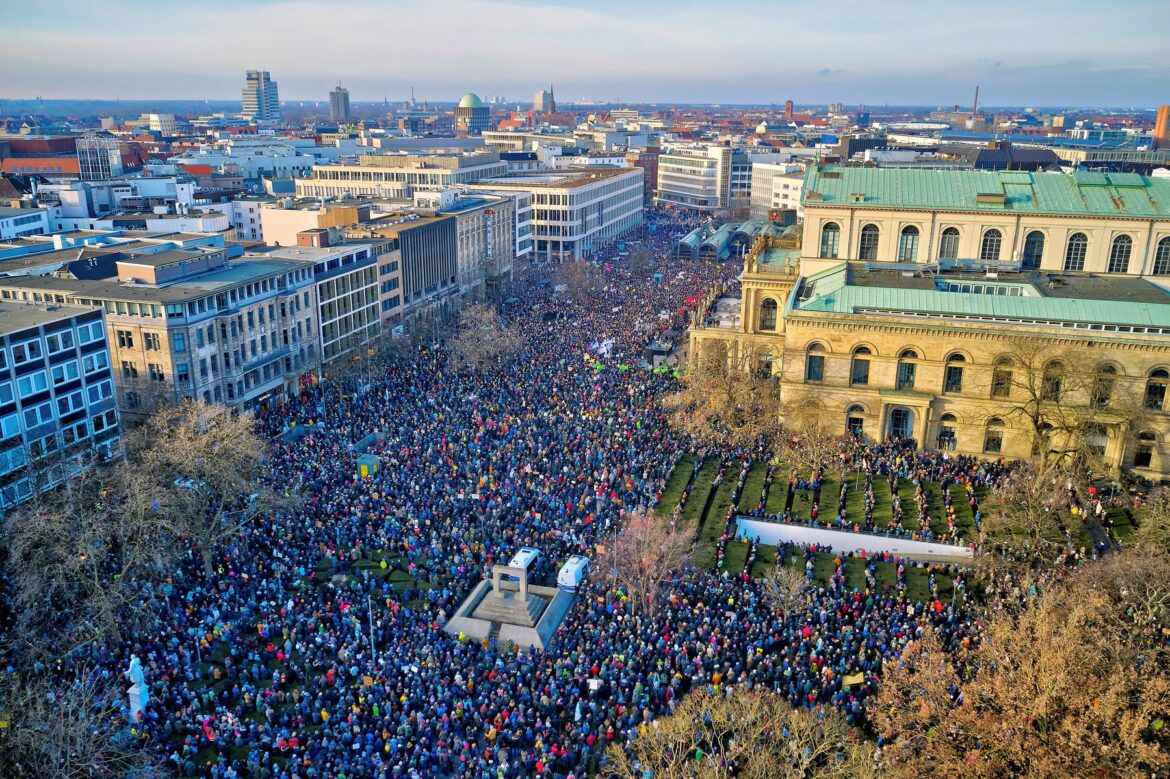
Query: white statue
<point x="139" y="693"/>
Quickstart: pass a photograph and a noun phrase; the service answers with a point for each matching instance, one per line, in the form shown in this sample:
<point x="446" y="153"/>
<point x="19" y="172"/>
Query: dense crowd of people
<point x="316" y="648"/>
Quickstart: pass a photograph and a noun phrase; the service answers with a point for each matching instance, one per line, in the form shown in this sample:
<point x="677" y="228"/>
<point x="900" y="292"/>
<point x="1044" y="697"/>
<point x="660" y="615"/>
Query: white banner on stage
<point x="843" y="541"/>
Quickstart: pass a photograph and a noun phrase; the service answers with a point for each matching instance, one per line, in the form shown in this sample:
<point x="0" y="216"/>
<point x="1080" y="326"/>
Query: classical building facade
<point x="967" y="310"/>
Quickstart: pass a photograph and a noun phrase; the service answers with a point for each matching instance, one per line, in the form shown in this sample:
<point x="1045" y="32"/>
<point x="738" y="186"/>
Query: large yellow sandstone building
<point x="1003" y="314"/>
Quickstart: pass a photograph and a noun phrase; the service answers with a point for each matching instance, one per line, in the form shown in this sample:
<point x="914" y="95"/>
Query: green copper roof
<point x="831" y="292"/>
<point x="471" y="100"/>
<point x="1079" y="194"/>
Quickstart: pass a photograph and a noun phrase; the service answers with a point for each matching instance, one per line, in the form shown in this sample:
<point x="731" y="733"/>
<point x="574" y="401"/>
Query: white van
<point x="572" y="573"/>
<point x="525" y="558"/>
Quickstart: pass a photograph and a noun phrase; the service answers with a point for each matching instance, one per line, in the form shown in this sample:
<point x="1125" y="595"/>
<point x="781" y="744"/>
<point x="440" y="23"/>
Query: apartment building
<point x="56" y="396"/>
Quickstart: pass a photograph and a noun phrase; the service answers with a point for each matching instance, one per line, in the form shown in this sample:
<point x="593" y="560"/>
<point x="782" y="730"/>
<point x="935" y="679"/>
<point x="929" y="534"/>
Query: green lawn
<point x="917" y="579"/>
<point x="714" y="523"/>
<point x="777" y="493"/>
<point x="675" y="485"/>
<point x="699" y="492"/>
<point x="753" y="486"/>
<point x="736" y="556"/>
<point x="1121" y="528"/>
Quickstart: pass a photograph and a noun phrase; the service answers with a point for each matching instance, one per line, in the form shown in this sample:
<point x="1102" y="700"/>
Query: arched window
<point x="814" y="363"/>
<point x="855" y="419"/>
<point x="1103" y="383"/>
<point x="768" y="311"/>
<point x="993" y="436"/>
<point x="830" y="240"/>
<point x="1001" y="379"/>
<point x="1162" y="257"/>
<point x="1033" y="250"/>
<point x="907" y="367"/>
<point x="946" y="432"/>
<point x="859" y="369"/>
<point x="1146" y="443"/>
<point x="1120" y="253"/>
<point x="1052" y="382"/>
<point x="989" y="248"/>
<point x="1156" y="389"/>
<point x="948" y="245"/>
<point x="953" y="378"/>
<point x="1075" y="251"/>
<point x="868" y="248"/>
<point x="908" y="244"/>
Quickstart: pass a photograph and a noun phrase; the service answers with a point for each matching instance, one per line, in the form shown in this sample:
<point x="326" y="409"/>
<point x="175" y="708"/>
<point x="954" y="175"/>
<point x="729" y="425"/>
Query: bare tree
<point x="724" y="405"/>
<point x="581" y="278"/>
<point x="1077" y="681"/>
<point x="209" y="461"/>
<point x="69" y="727"/>
<point x="1153" y="527"/>
<point x="642" y="556"/>
<point x="482" y="340"/>
<point x="749" y="734"/>
<point x="786" y="588"/>
<point x="811" y="438"/>
<point x="1030" y="509"/>
<point x="92" y="550"/>
<point x="1066" y="399"/>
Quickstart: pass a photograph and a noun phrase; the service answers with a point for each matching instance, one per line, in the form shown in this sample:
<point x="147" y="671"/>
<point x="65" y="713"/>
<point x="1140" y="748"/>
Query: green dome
<point x="471" y="100"/>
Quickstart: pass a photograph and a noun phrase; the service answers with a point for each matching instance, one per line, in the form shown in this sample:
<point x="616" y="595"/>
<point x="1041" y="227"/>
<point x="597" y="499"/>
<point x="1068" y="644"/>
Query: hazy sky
<point x="1035" y="52"/>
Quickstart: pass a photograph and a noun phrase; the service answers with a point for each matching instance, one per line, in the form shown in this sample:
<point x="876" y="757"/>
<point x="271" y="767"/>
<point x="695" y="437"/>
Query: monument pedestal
<point x="511" y="610"/>
<point x="139" y="697"/>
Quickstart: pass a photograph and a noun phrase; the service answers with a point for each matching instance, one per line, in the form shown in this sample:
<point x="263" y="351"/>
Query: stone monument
<point x="517" y="611"/>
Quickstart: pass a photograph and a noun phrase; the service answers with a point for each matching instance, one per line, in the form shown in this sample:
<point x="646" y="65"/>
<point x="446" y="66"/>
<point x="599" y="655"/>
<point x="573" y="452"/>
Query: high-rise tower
<point x="339" y="104"/>
<point x="260" y="99"/>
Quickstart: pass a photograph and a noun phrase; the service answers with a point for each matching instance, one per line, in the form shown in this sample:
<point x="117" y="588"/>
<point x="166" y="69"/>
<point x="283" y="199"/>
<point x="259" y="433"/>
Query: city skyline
<point x="681" y="53"/>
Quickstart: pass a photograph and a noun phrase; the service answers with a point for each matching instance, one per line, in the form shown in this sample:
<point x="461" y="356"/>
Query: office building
<point x="16" y="222"/>
<point x="339" y="104"/>
<point x="78" y="204"/>
<point x="715" y="180"/>
<point x="647" y="160"/>
<point x="775" y="189"/>
<point x="902" y="306"/>
<point x="187" y="323"/>
<point x="260" y="99"/>
<point x="419" y="284"/>
<point x="98" y="157"/>
<point x="346" y="282"/>
<point x="472" y="115"/>
<point x="543" y="102"/>
<point x="282" y="220"/>
<point x="56" y="396"/>
<point x="396" y="176"/>
<point x="576" y="212"/>
<point x="163" y="124"/>
<point x="484" y="243"/>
